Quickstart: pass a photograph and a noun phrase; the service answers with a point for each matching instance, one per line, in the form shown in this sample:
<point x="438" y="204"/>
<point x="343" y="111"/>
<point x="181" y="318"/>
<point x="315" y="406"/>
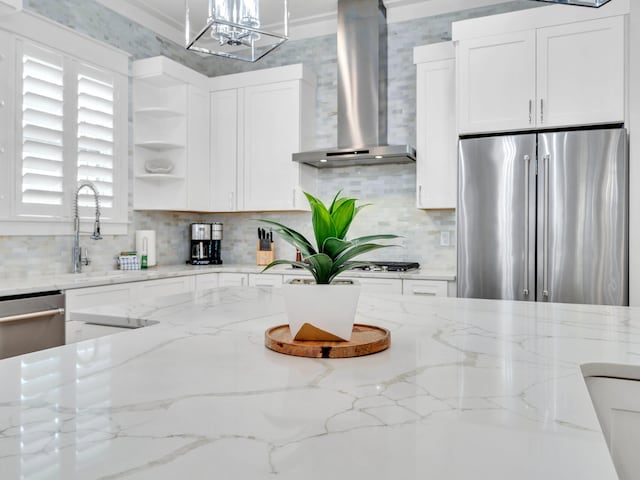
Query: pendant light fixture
<point x="234" y="28"/>
<point x="581" y="3"/>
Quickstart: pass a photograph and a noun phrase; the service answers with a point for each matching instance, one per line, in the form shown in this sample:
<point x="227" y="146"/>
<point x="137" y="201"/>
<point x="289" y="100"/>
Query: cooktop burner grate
<point x="390" y="266"/>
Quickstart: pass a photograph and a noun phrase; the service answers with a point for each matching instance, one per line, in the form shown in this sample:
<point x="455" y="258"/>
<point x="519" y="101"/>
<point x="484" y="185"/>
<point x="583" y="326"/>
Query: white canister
<point x="146" y="244"/>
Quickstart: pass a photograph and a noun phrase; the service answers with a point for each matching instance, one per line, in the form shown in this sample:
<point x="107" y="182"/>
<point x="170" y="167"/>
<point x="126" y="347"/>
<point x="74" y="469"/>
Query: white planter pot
<point x="321" y="312"/>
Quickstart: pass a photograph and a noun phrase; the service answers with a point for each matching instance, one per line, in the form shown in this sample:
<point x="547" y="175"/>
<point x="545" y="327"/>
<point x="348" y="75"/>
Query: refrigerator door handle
<point x="545" y="238"/>
<point x="525" y="290"/>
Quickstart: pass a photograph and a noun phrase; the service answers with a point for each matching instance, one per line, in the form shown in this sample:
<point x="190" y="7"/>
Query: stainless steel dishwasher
<point x="31" y="322"/>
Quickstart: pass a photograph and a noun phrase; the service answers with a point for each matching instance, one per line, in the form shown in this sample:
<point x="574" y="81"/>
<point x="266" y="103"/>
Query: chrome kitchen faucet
<point x="77" y="259"/>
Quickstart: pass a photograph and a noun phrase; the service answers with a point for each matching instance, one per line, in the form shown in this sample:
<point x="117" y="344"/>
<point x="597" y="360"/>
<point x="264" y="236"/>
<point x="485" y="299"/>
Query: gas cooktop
<point x="390" y="267"/>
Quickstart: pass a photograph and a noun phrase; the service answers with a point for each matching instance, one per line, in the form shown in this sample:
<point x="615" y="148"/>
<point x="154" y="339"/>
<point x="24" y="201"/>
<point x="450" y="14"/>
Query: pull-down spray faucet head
<point x="96" y="224"/>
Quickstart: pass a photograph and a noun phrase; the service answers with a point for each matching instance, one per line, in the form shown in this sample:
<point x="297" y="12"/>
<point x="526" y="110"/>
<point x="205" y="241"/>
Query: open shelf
<point x="163" y="177"/>
<point x="159" y="145"/>
<point x="159" y="112"/>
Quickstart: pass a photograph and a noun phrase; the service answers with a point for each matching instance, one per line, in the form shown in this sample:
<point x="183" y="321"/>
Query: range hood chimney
<point x="362" y="92"/>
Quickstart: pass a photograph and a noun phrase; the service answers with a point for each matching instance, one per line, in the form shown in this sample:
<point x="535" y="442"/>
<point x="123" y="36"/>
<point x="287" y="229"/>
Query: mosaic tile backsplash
<point x="390" y="188"/>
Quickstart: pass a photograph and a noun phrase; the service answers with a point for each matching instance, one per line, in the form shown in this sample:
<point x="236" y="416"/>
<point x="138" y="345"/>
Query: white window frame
<point x="79" y="52"/>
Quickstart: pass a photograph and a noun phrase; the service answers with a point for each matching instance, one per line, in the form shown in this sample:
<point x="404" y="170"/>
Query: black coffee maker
<point x="200" y="244"/>
<point x="216" y="243"/>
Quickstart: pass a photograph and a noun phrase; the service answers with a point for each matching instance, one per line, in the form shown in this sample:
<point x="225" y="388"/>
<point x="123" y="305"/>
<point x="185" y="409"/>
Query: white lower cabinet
<point x="81" y="298"/>
<point x="164" y="286"/>
<point x="265" y="280"/>
<point x="427" y="288"/>
<point x="377" y="285"/>
<point x="207" y="281"/>
<point x="229" y="279"/>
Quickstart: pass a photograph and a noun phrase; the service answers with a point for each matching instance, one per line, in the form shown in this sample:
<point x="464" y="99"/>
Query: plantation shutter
<point x="42" y="167"/>
<point x="95" y="133"/>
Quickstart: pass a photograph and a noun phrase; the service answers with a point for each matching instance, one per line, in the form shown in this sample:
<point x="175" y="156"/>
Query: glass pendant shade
<point x="234" y="28"/>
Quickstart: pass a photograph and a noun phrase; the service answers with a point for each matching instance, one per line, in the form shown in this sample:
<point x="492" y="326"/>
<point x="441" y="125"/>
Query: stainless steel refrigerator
<point x="544" y="217"/>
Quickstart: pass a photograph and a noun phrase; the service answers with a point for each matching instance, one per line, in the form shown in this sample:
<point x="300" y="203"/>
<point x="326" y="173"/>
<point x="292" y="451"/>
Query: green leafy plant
<point x="333" y="253"/>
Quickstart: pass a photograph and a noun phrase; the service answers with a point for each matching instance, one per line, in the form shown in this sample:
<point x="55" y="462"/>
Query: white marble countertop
<point x="468" y="389"/>
<point x="42" y="283"/>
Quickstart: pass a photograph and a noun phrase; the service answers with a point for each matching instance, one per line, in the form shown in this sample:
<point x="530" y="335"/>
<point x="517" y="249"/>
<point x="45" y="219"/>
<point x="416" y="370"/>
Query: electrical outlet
<point x="445" y="240"/>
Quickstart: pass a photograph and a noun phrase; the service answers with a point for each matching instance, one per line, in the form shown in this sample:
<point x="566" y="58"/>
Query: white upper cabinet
<point x="547" y="67"/>
<point x="258" y="120"/>
<point x="224" y="150"/>
<point x="171" y="136"/>
<point x="581" y="73"/>
<point x="436" y="139"/>
<point x="497" y="82"/>
<point x="272" y="135"/>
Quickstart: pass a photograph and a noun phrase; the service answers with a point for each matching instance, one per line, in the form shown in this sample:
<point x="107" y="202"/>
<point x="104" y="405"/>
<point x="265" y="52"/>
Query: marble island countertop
<point x="468" y="389"/>
<point x="66" y="281"/>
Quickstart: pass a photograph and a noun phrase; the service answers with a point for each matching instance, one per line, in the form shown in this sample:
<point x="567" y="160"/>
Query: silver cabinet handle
<point x="545" y="238"/>
<point x="541" y="110"/>
<point x="426" y="294"/>
<point x="420" y="195"/>
<point x="33" y="315"/>
<point x="530" y="111"/>
<point x="293" y="197"/>
<point x="527" y="159"/>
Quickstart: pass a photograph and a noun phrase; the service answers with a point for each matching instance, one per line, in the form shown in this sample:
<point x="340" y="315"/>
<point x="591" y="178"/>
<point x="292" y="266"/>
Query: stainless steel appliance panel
<point x="31" y="322"/>
<point x="496" y="217"/>
<point x="582" y="217"/>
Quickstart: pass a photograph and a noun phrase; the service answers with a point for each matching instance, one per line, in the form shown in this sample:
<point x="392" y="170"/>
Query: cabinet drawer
<point x="81" y="298"/>
<point x="427" y="288"/>
<point x="165" y="286"/>
<point x="207" y="281"/>
<point x="228" y="279"/>
<point x="377" y="285"/>
<point x="264" y="280"/>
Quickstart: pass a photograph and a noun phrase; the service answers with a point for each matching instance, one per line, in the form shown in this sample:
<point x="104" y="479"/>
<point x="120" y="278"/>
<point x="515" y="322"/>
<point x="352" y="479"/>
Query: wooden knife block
<point x="265" y="257"/>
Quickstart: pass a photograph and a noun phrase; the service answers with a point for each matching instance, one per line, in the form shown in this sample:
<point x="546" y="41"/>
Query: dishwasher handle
<point x="32" y="315"/>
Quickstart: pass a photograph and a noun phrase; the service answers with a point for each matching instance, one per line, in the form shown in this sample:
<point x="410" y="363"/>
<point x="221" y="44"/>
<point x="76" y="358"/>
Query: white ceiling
<point x="307" y="18"/>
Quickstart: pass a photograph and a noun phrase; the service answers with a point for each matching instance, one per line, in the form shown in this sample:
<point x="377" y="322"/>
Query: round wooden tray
<point x="365" y="340"/>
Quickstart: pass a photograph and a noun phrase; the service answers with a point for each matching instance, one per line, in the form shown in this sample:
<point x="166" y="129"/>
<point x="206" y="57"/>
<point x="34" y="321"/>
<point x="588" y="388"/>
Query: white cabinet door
<point x="206" y="281"/>
<point x="617" y="403"/>
<point x="436" y="165"/>
<point x="427" y="288"/>
<point x="580" y="72"/>
<point x="377" y="285"/>
<point x="496" y="82"/>
<point x="224" y="150"/>
<point x="165" y="286"/>
<point x="265" y="280"/>
<point x="271" y="136"/>
<point x="81" y="298"/>
<point x="229" y="279"/>
<point x="198" y="164"/>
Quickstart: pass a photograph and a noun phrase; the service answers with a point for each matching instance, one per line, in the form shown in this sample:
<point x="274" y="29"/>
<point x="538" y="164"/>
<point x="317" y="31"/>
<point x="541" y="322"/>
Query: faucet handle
<point x="85" y="260"/>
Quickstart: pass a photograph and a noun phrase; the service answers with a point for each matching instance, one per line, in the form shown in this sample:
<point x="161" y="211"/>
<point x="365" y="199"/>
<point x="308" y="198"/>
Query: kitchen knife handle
<point x="527" y="166"/>
<point x="545" y="238"/>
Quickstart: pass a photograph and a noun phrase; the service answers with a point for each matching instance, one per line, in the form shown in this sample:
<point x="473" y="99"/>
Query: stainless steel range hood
<point x="362" y="92"/>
